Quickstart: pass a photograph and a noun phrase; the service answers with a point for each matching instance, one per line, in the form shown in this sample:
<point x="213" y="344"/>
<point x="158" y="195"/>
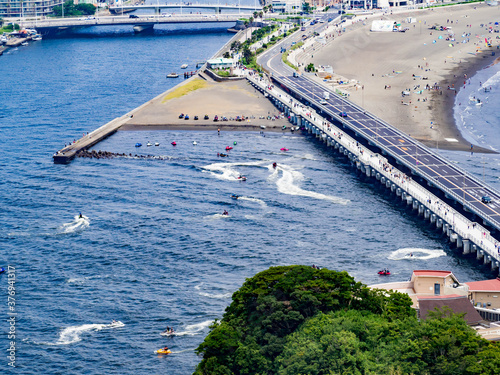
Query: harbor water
<point x="152" y="248"/>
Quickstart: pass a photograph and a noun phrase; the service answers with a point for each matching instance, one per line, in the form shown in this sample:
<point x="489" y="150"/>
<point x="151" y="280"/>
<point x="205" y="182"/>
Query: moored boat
<point x="184" y="66"/>
<point x="172" y="75"/>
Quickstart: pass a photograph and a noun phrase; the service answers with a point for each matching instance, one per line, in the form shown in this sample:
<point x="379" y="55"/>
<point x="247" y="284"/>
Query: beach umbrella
<point x="440" y="37"/>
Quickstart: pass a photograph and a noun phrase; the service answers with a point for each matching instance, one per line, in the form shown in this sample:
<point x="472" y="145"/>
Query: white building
<point x="287" y="6"/>
<point x="220" y="63"/>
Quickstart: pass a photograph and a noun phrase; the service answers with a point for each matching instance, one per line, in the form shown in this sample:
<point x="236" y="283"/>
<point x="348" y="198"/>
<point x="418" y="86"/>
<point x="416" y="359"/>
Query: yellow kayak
<point x="163" y="351"/>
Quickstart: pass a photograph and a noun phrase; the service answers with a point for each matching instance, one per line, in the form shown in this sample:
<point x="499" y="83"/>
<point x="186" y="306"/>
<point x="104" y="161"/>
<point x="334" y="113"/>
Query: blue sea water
<point x="153" y="249"/>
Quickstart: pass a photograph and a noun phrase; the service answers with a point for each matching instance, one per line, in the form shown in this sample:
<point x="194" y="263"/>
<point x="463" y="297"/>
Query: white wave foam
<point x="183" y="351"/>
<point x="216" y="216"/>
<point x="415" y="253"/>
<point x="286" y="185"/>
<point x="215" y="296"/>
<point x="491" y="82"/>
<point x="72" y="334"/>
<point x="194" y="329"/>
<point x="225" y="171"/>
<point x="259" y="201"/>
<point x="77" y="225"/>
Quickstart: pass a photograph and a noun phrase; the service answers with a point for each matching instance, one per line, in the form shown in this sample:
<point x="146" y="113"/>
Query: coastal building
<point x="287" y="6"/>
<point x="485" y="293"/>
<point x="24" y="8"/>
<point x="220" y="63"/>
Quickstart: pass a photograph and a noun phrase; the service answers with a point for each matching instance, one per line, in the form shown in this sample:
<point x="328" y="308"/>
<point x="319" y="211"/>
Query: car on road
<point x="323" y="101"/>
<point x="486" y="199"/>
<point x="133" y="16"/>
<point x="343" y="114"/>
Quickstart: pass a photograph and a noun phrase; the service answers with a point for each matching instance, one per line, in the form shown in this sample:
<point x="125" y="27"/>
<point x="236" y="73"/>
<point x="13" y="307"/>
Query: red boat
<point x="174" y="144"/>
<point x="283" y="149"/>
<point x="228" y="148"/>
<point x="384" y="272"/>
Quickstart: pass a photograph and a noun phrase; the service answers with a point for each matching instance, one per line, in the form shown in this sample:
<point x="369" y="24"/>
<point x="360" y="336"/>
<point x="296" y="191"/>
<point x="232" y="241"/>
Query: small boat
<point x="195" y="143"/>
<point x="138" y="144"/>
<point x="172" y="75"/>
<point x="37" y="37"/>
<point x="157" y="144"/>
<point x="384" y="272"/>
<point x="163" y="351"/>
<point x="2" y="270"/>
<point x="24" y="43"/>
<point x="234" y="196"/>
<point x="174" y="143"/>
<point x="184" y="66"/>
<point x="283" y="149"/>
<point x="263" y="126"/>
<point x="149" y="144"/>
<point x="228" y="148"/>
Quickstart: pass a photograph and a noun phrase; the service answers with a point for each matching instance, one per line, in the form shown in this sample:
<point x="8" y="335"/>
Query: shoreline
<point x="445" y="111"/>
<point x="379" y="67"/>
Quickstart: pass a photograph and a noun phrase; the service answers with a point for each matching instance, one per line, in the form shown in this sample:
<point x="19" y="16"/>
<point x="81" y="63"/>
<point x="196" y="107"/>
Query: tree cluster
<point x="293" y="320"/>
<point x="70" y="9"/>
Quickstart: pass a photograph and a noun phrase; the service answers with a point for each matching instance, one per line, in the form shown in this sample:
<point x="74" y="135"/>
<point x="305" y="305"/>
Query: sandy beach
<point x="199" y="97"/>
<point x="420" y="61"/>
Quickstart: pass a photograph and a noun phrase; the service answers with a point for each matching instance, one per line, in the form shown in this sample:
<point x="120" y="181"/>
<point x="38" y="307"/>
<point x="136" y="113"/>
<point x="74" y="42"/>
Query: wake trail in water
<point x="212" y="295"/>
<point x="225" y="171"/>
<point x="194" y="329"/>
<point x="71" y="335"/>
<point x="250" y="199"/>
<point x="287" y="185"/>
<point x="411" y="253"/>
<point x="77" y="225"/>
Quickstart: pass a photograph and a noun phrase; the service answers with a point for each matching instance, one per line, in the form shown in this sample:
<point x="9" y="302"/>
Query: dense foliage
<point x="300" y="320"/>
<point x="70" y="9"/>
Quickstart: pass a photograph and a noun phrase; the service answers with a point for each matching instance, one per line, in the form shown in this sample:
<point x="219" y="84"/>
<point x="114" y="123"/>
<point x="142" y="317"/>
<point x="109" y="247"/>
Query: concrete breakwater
<point x="469" y="236"/>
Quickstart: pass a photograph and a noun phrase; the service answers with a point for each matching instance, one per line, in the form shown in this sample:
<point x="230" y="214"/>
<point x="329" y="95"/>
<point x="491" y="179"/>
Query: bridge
<point x="439" y="190"/>
<point x="217" y="8"/>
<point x="140" y="23"/>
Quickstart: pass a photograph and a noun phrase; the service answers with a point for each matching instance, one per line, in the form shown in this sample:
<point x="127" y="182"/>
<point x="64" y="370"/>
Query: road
<point x="436" y="170"/>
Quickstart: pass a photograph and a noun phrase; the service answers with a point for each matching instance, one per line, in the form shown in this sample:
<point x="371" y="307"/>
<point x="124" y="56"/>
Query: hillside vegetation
<point x="293" y="320"/>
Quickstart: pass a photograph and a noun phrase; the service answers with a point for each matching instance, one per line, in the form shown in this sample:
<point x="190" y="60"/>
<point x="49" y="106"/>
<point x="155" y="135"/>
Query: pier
<point x="430" y="201"/>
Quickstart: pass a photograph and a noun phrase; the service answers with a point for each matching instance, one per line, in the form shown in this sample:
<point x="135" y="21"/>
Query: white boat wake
<point x="194" y="329"/>
<point x="415" y="253"/>
<point x="77" y="225"/>
<point x="71" y="335"/>
<point x="287" y="185"/>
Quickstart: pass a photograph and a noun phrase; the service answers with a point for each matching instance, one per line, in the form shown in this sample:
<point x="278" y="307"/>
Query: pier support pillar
<point x="466" y="245"/>
<point x="377" y="176"/>
<point x="459" y="241"/>
<point x="409" y="200"/>
<point x="421" y="209"/>
<point x="433" y="218"/>
<point x="439" y="223"/>
<point x="427" y="214"/>
<point x="479" y="254"/>
<point x="368" y="171"/>
<point x="446" y="229"/>
<point x="494" y="265"/>
<point x="398" y="192"/>
<point x="453" y="237"/>
<point x="487" y="259"/>
<point x="415" y="205"/>
<point x="382" y="180"/>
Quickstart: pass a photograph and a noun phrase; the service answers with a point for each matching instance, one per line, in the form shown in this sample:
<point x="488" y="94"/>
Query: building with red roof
<point x="485" y="293"/>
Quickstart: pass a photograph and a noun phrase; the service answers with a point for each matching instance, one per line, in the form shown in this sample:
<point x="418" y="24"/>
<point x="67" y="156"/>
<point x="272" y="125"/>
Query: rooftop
<point x="484" y="286"/>
<point x="431" y="273"/>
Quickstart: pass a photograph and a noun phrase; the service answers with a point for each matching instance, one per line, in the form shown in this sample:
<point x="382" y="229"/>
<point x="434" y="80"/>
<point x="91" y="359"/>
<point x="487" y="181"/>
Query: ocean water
<point x="152" y="248"/>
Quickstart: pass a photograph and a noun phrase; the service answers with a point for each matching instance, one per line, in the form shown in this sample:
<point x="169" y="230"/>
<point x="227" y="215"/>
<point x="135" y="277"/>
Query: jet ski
<point x="222" y="155"/>
<point x="163" y="351"/>
<point x="138" y="144"/>
<point x="228" y="148"/>
<point x="174" y="143"/>
<point x="384" y="272"/>
<point x="234" y="196"/>
<point x="195" y="143"/>
<point x="225" y="213"/>
<point x="2" y="270"/>
<point x="157" y="144"/>
<point x="242" y="178"/>
<point x="149" y="144"/>
<point x="283" y="149"/>
<point x="275" y="165"/>
<point x="168" y="333"/>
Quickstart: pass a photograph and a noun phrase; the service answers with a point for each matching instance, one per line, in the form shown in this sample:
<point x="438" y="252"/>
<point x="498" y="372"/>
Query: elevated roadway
<point x="456" y="184"/>
<point x="217" y="8"/>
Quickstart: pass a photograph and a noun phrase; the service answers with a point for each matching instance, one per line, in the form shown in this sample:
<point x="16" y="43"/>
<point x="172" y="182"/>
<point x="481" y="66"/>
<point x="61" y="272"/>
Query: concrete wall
<point x="485" y="298"/>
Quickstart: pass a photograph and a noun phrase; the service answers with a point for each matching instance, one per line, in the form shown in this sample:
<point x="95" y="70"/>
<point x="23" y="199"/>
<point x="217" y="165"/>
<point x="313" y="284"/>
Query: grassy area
<point x="284" y="57"/>
<point x="195" y="84"/>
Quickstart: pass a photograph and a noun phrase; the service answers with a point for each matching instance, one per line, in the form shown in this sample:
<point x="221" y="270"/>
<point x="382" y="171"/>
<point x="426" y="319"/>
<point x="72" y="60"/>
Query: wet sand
<point x="401" y="61"/>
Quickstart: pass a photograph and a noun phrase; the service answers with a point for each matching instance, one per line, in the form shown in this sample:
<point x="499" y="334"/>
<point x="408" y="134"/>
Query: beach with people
<point x="411" y="78"/>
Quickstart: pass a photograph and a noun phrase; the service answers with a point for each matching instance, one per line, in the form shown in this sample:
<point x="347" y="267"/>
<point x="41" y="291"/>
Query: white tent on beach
<point x="383" y="25"/>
